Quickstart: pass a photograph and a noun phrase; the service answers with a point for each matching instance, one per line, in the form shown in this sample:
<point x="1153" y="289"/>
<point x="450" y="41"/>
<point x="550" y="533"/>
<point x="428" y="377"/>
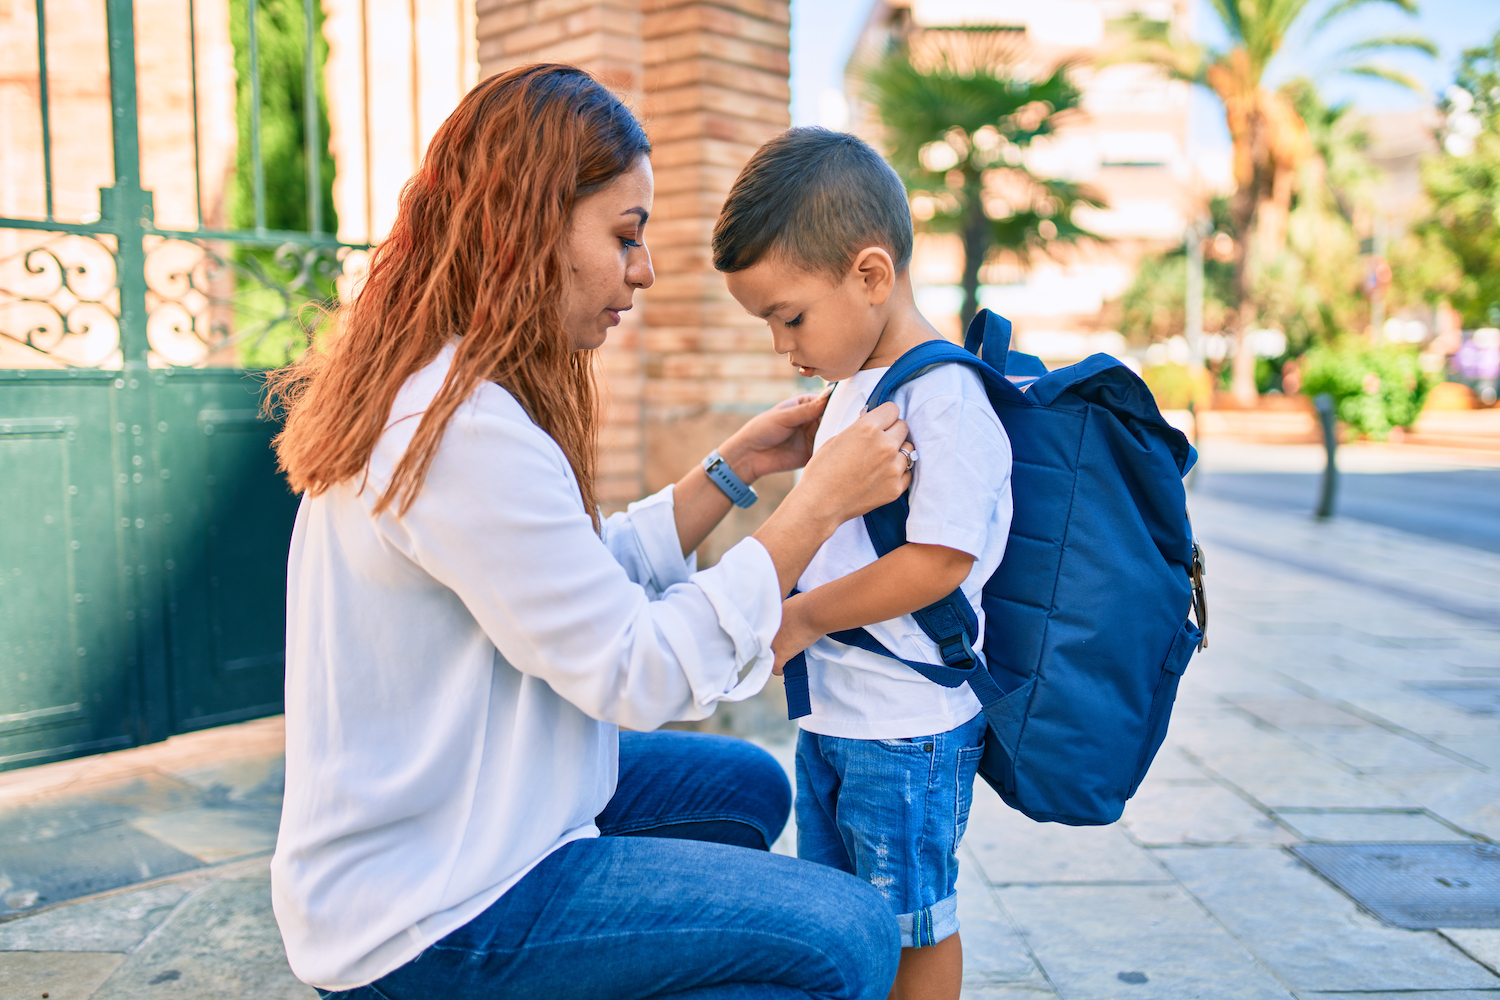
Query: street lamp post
<point x="1197" y="232"/>
<point x="1328" y="416"/>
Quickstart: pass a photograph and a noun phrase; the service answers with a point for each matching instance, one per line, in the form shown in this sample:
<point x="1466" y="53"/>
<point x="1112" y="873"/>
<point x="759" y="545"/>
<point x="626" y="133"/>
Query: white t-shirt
<point x="456" y="675"/>
<point x="960" y="497"/>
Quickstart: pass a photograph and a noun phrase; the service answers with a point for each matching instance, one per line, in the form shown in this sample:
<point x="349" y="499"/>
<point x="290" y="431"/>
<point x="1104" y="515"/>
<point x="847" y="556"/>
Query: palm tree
<point x="957" y="134"/>
<point x="1270" y="139"/>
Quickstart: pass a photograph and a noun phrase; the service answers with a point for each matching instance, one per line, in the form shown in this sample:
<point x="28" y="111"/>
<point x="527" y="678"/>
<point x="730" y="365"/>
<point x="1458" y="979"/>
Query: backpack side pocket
<point x="1182" y="649"/>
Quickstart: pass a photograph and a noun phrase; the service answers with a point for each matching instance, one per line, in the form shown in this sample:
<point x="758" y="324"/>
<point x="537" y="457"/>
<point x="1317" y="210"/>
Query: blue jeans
<point x="892" y="812"/>
<point x="679" y="899"/>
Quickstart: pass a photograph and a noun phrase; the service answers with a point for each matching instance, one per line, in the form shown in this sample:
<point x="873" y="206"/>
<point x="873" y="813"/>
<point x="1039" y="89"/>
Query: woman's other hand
<point x="855" y="471"/>
<point x="777" y="440"/>
<point x="860" y="468"/>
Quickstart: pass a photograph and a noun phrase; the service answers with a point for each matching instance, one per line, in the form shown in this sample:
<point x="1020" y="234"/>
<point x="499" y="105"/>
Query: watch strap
<point x="724" y="478"/>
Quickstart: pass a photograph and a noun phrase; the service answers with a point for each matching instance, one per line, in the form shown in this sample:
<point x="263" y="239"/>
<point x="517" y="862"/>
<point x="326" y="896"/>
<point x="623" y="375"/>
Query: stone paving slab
<point x="1107" y="942"/>
<point x="998" y="956"/>
<point x="113" y="923"/>
<point x="38" y="872"/>
<point x="1371" y="826"/>
<point x="58" y="975"/>
<point x="1198" y="812"/>
<point x="1405" y="995"/>
<point x="78" y="829"/>
<point x="1482" y="945"/>
<point x="214" y="835"/>
<point x="221" y="944"/>
<point x="1013" y="850"/>
<point x="1310" y="934"/>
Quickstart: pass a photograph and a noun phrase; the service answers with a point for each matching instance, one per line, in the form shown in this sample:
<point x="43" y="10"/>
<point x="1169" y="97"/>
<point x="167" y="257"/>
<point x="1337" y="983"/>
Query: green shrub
<point x="1374" y="388"/>
<point x="1174" y="386"/>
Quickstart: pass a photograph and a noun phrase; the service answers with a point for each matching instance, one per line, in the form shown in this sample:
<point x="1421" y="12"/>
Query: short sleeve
<point x="963" y="459"/>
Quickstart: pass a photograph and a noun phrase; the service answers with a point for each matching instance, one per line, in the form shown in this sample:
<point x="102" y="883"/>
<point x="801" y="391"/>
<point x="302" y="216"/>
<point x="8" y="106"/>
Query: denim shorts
<point x="892" y="812"/>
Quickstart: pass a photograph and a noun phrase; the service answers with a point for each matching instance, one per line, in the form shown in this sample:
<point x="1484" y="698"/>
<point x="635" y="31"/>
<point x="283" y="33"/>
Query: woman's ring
<point x="911" y="457"/>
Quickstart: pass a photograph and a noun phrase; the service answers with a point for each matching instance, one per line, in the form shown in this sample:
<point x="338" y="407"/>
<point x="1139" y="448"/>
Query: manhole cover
<point x="1416" y="886"/>
<point x="1474" y="697"/>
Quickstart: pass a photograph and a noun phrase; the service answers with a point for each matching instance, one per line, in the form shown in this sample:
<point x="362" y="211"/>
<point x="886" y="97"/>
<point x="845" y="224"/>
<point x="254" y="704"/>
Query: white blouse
<point x="456" y="676"/>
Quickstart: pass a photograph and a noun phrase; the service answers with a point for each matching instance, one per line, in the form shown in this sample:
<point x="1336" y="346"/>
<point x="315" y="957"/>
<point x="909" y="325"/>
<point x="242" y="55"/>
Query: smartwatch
<point x="724" y="478"/>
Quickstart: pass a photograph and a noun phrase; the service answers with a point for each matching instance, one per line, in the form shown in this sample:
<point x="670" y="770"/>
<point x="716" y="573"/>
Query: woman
<point x="465" y="636"/>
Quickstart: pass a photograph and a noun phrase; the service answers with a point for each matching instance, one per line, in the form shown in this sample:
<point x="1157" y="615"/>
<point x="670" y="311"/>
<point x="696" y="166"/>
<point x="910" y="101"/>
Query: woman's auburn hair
<point x="475" y="258"/>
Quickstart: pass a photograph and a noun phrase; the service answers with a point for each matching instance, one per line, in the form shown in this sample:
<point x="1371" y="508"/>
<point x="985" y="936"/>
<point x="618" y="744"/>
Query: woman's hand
<point x="855" y="471"/>
<point x="777" y="440"/>
<point x="860" y="468"/>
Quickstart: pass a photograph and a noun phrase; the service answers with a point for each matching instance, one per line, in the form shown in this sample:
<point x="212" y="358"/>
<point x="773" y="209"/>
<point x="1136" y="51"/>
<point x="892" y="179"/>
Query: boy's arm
<point x="896" y="584"/>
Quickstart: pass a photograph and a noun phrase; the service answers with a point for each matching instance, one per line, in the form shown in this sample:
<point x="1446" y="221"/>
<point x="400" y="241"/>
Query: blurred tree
<point x="281" y="40"/>
<point x="274" y="287"/>
<point x="1154" y="307"/>
<point x="957" y="135"/>
<point x="1271" y="141"/>
<point x="1463" y="185"/>
<point x="1310" y="289"/>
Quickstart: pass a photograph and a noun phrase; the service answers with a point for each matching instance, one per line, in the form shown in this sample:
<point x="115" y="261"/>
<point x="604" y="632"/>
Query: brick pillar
<point x="603" y="37"/>
<point x="709" y="78"/>
<point x="715" y="80"/>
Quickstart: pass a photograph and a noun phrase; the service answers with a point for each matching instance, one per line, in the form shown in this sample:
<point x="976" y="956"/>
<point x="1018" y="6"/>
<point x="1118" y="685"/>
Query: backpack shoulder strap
<point x="950" y="623"/>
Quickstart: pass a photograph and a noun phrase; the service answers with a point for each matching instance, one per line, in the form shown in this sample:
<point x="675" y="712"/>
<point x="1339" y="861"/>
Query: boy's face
<point x="826" y="328"/>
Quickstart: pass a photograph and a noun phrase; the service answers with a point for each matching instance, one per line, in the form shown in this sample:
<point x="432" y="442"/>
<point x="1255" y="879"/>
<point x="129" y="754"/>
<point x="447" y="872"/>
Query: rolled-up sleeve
<point x="617" y="623"/>
<point x="643" y="540"/>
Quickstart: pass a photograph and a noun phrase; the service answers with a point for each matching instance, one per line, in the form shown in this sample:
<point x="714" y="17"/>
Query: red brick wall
<point x="603" y="37"/>
<point x="709" y="78"/>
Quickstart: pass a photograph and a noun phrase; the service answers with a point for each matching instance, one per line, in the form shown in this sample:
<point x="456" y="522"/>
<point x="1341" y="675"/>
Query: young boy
<point x="816" y="239"/>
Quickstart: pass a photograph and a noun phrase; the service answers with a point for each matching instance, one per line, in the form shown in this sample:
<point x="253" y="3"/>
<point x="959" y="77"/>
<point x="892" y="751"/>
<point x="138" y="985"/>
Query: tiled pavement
<point x="164" y="851"/>
<point x="1348" y="694"/>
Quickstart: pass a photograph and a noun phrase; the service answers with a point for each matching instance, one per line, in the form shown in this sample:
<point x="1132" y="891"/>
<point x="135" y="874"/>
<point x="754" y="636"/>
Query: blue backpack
<point x="1086" y="620"/>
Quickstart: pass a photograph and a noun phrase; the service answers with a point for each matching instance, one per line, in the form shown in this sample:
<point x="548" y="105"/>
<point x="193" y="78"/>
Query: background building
<point x="1130" y="143"/>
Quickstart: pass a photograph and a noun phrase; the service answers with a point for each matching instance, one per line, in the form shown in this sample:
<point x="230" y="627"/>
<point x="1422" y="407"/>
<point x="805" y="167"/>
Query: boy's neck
<point x="905" y="327"/>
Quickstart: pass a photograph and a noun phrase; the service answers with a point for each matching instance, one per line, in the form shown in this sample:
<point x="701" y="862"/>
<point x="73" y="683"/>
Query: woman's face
<point x="605" y="250"/>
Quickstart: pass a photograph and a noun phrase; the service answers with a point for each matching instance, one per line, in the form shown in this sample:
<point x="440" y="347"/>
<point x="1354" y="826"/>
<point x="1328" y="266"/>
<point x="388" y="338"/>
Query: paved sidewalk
<point x="1349" y="694"/>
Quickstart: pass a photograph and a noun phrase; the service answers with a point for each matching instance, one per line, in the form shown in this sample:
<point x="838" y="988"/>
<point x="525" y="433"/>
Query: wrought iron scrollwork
<point x="209" y="303"/>
<point x="59" y="303"/>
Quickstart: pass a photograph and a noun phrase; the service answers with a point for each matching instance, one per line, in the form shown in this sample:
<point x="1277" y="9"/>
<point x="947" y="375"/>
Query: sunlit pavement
<point x="1349" y="694"/>
<point x="1453" y="496"/>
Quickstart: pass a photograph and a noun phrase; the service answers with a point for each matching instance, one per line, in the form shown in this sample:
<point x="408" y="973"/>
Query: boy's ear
<point x="877" y="272"/>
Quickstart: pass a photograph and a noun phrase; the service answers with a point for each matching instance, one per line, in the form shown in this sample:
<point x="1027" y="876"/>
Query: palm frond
<point x="1069" y="194"/>
<point x="1229" y="14"/>
<point x="1419" y="43"/>
<point x="1021" y="234"/>
<point x="1263" y="27"/>
<point x="1152" y="42"/>
<point x="1342" y="7"/>
<point x="1390" y="75"/>
<point x="920" y="107"/>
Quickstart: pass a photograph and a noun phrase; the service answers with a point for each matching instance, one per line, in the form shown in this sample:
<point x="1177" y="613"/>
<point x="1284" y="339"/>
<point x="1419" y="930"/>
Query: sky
<point x="824" y="33"/>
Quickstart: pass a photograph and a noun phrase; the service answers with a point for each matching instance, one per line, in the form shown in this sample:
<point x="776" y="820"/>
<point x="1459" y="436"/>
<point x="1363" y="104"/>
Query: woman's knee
<point x="854" y="928"/>
<point x="765" y="789"/>
<point x="714" y="777"/>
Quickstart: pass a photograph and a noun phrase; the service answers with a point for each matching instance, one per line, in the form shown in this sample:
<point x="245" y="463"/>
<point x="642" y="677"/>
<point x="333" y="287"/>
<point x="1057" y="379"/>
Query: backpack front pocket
<point x="1182" y="649"/>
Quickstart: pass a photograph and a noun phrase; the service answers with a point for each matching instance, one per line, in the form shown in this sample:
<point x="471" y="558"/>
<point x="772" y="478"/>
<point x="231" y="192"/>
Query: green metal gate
<point x="143" y="525"/>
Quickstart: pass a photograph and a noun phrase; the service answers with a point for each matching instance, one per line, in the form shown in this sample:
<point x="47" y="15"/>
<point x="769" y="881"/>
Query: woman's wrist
<point x="802" y="513"/>
<point x="740" y="459"/>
